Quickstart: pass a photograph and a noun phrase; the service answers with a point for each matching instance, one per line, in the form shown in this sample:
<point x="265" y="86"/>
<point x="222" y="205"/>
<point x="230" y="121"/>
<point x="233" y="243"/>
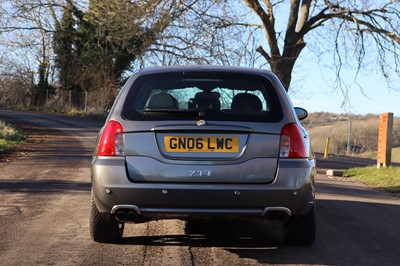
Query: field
<point x="363" y="134"/>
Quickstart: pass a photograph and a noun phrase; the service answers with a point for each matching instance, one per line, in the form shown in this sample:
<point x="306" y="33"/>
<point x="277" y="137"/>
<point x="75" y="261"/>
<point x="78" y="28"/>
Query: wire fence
<point x="55" y="99"/>
<point x="66" y="100"/>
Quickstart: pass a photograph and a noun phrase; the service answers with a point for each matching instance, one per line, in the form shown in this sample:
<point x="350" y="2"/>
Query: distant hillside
<point x="324" y="118"/>
<point x="364" y="132"/>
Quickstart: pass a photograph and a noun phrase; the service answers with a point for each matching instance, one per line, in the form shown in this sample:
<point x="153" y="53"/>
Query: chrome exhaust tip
<point x="126" y="213"/>
<point x="276" y="214"/>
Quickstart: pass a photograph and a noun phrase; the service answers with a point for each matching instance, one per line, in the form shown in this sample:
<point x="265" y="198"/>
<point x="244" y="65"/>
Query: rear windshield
<point x="204" y="95"/>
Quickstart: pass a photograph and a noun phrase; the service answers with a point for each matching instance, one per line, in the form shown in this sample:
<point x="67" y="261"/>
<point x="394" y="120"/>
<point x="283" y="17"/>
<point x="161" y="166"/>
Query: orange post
<point x="385" y="140"/>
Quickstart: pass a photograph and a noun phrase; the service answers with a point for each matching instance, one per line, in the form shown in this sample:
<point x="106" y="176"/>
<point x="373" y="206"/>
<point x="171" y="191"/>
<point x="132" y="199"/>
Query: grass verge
<point x="9" y="136"/>
<point x="385" y="178"/>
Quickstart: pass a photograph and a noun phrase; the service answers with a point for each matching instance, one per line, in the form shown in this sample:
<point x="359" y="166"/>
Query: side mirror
<point x="301" y="113"/>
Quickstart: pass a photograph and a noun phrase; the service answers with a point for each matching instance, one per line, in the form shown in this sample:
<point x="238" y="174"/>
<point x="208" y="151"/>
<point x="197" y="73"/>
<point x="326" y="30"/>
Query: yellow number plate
<point x="201" y="144"/>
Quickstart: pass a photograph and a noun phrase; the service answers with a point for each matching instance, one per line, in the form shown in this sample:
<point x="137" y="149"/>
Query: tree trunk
<point x="283" y="65"/>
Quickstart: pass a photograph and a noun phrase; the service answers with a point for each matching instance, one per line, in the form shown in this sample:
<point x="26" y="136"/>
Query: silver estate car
<point x="203" y="142"/>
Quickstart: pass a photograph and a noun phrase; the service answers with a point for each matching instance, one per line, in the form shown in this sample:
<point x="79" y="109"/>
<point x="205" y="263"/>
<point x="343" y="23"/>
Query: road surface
<point x="44" y="215"/>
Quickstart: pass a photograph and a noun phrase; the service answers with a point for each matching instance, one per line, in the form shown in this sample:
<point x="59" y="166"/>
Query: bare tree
<point x="106" y="37"/>
<point x="206" y="32"/>
<point x="354" y="26"/>
<point x="26" y="29"/>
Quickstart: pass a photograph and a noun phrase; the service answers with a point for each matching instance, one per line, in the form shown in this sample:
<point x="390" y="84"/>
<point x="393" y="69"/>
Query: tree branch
<point x="350" y="15"/>
<point x="261" y="50"/>
<point x="304" y="13"/>
<point x="293" y="16"/>
<point x="268" y="20"/>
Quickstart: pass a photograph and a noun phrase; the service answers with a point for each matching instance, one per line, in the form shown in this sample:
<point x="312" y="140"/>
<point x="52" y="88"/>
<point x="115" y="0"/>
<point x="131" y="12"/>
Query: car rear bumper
<point x="292" y="192"/>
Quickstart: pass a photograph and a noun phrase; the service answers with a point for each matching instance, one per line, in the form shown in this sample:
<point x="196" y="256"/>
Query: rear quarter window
<point x="207" y="95"/>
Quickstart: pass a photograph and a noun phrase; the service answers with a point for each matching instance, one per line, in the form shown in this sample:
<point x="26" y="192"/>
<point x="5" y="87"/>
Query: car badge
<point x="201" y="122"/>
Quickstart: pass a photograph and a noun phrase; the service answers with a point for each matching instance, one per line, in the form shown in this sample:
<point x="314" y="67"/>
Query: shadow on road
<point x="43" y="186"/>
<point x="228" y="233"/>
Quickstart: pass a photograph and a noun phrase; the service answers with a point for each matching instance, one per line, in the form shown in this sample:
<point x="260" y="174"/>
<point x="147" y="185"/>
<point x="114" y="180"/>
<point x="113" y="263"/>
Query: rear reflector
<point x="292" y="143"/>
<point x="111" y="142"/>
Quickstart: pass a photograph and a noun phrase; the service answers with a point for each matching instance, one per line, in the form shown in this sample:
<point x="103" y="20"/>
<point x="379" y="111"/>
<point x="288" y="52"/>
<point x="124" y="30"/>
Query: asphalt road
<point x="44" y="215"/>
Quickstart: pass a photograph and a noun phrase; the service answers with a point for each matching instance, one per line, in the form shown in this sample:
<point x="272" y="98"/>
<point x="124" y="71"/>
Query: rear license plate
<point x="201" y="144"/>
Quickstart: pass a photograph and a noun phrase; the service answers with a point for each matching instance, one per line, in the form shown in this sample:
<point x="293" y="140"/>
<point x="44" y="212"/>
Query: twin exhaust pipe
<point x="276" y="214"/>
<point x="124" y="216"/>
<point x="132" y="214"/>
<point x="126" y="213"/>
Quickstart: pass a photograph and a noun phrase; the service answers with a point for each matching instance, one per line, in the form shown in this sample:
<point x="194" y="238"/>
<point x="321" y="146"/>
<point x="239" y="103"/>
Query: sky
<point x="313" y="87"/>
<point x="376" y="98"/>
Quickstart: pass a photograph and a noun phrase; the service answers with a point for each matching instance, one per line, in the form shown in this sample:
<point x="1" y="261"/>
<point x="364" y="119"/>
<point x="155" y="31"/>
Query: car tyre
<point x="300" y="230"/>
<point x="104" y="228"/>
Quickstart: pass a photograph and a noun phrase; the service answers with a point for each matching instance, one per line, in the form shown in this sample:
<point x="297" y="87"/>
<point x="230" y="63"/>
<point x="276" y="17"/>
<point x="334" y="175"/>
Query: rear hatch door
<point x="211" y="153"/>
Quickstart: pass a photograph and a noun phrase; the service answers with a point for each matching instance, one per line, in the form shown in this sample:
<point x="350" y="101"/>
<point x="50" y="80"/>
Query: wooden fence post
<point x="385" y="140"/>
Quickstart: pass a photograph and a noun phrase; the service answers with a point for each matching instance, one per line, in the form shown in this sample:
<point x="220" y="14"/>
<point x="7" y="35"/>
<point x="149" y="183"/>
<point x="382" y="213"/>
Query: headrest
<point x="162" y="101"/>
<point x="246" y="102"/>
<point x="206" y="100"/>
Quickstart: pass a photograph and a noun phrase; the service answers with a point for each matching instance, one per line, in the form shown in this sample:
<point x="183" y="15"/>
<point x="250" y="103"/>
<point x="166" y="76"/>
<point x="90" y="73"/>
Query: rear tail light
<point x="111" y="142"/>
<point x="292" y="143"/>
